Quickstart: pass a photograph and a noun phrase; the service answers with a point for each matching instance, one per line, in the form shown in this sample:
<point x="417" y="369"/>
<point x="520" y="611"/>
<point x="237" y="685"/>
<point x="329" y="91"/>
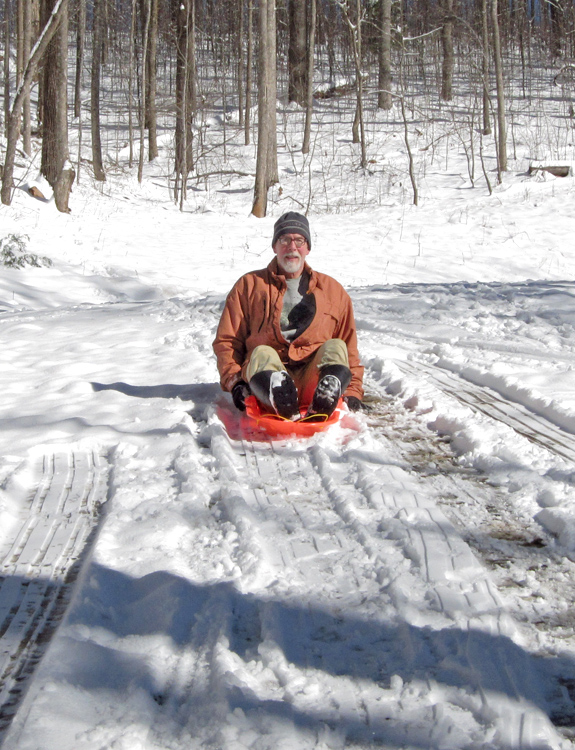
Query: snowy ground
<point x="404" y="581"/>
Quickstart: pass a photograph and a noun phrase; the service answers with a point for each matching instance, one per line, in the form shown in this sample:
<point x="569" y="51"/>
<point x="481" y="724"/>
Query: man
<point x="287" y="333"/>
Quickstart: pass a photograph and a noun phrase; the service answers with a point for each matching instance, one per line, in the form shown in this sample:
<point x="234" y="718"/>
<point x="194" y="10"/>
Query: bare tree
<point x="97" y="49"/>
<point x="26" y="46"/>
<point x="131" y="76"/>
<point x="448" y="55"/>
<point x="297" y="52"/>
<point x="151" y="83"/>
<point x="50" y="27"/>
<point x="498" y="63"/>
<point x="147" y="11"/>
<point x="310" y="69"/>
<point x="20" y="62"/>
<point x="185" y="93"/>
<point x="80" y="49"/>
<point x="355" y="32"/>
<point x="55" y="165"/>
<point x="266" y="164"/>
<point x="249" y="64"/>
<point x="485" y="66"/>
<point x="384" y="95"/>
<point x="7" y="18"/>
<point x="240" y="53"/>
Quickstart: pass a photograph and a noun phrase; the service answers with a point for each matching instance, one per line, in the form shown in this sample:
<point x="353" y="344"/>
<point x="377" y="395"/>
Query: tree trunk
<point x="53" y="21"/>
<point x="7" y="6"/>
<point x="147" y="10"/>
<point x="20" y="61"/>
<point x="80" y="47"/>
<point x="297" y="52"/>
<point x="185" y="93"/>
<point x="97" y="48"/>
<point x="384" y="97"/>
<point x="266" y="164"/>
<point x="448" y="57"/>
<point x="556" y="12"/>
<point x="55" y="152"/>
<point x="151" y="113"/>
<point x="240" y="53"/>
<point x="26" y="47"/>
<point x="192" y="76"/>
<point x="310" y="69"/>
<point x="501" y="124"/>
<point x="358" y="130"/>
<point x="249" y="65"/>
<point x="485" y="67"/>
<point x="131" y="76"/>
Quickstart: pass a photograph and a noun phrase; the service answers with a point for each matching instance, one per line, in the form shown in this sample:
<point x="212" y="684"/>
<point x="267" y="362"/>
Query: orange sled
<point x="276" y="426"/>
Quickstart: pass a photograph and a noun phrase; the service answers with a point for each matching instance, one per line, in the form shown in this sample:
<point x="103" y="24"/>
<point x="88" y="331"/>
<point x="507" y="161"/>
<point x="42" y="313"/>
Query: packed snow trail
<point x="40" y="563"/>
<point x="382" y="596"/>
<point x="253" y="594"/>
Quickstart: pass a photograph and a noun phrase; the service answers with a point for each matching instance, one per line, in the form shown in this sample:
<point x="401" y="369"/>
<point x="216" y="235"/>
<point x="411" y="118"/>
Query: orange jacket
<point x="251" y="317"/>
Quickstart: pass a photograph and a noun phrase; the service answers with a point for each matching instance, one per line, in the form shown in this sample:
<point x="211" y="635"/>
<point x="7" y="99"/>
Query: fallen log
<point x="556" y="171"/>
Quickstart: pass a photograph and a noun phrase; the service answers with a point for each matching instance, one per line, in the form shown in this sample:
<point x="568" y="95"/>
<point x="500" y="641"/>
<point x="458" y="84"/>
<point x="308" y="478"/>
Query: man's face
<point x="291" y="258"/>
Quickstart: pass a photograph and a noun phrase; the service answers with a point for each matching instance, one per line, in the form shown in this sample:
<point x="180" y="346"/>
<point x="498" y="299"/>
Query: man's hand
<point x="354" y="404"/>
<point x="240" y="392"/>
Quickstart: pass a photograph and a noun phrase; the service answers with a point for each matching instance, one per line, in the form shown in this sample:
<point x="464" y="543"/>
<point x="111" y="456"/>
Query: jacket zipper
<point x="264" y="317"/>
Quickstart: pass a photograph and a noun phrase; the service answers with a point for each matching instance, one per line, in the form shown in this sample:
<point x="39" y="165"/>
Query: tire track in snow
<point x="369" y="616"/>
<point x="476" y="632"/>
<point x="41" y="561"/>
<point x="482" y="399"/>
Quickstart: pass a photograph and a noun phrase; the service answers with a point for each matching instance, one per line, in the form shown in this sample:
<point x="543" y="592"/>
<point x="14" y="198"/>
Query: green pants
<point x="305" y="375"/>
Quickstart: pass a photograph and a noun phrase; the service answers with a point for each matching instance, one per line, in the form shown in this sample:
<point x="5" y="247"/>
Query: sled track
<point x="487" y="401"/>
<point x="375" y="521"/>
<point x="41" y="561"/>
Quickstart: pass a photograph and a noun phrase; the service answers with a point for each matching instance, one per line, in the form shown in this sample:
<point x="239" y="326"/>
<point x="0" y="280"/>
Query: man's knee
<point x="333" y="352"/>
<point x="262" y="358"/>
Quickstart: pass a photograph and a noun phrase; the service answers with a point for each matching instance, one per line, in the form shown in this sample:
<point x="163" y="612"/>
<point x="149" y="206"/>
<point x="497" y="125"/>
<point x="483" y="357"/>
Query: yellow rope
<point x="307" y="418"/>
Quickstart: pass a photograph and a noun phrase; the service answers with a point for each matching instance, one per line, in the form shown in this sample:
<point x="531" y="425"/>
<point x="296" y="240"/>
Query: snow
<point x="403" y="581"/>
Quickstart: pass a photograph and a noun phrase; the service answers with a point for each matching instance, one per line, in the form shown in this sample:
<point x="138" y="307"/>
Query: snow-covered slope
<point x="405" y="580"/>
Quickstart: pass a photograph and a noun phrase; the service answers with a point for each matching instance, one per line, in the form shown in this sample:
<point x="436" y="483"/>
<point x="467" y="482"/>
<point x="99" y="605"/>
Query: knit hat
<point x="292" y="222"/>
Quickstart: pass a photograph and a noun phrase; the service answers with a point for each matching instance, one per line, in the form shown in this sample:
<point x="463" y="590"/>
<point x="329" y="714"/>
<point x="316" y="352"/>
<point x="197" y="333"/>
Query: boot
<point x="277" y="391"/>
<point x="333" y="380"/>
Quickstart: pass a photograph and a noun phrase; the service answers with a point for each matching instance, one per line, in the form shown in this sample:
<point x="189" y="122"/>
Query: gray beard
<point x="291" y="266"/>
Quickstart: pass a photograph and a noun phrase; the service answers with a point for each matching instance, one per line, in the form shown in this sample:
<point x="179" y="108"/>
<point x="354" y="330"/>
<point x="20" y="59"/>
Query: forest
<point x="155" y="72"/>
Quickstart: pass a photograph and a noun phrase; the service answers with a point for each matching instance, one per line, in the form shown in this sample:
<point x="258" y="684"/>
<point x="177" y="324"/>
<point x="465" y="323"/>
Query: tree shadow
<point x="472" y="660"/>
<point x="201" y="394"/>
<point x="113" y="609"/>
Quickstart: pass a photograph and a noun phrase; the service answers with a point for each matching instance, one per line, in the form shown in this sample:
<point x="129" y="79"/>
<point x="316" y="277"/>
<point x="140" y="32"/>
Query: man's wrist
<point x="233" y="380"/>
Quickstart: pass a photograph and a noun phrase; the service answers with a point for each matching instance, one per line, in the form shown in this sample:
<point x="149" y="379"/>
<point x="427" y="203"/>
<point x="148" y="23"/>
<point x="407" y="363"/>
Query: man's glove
<point x="240" y="392"/>
<point x="354" y="404"/>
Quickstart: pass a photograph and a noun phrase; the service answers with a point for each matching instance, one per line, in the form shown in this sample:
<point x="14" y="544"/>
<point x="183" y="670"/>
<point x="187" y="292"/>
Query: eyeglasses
<point x="285" y="240"/>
